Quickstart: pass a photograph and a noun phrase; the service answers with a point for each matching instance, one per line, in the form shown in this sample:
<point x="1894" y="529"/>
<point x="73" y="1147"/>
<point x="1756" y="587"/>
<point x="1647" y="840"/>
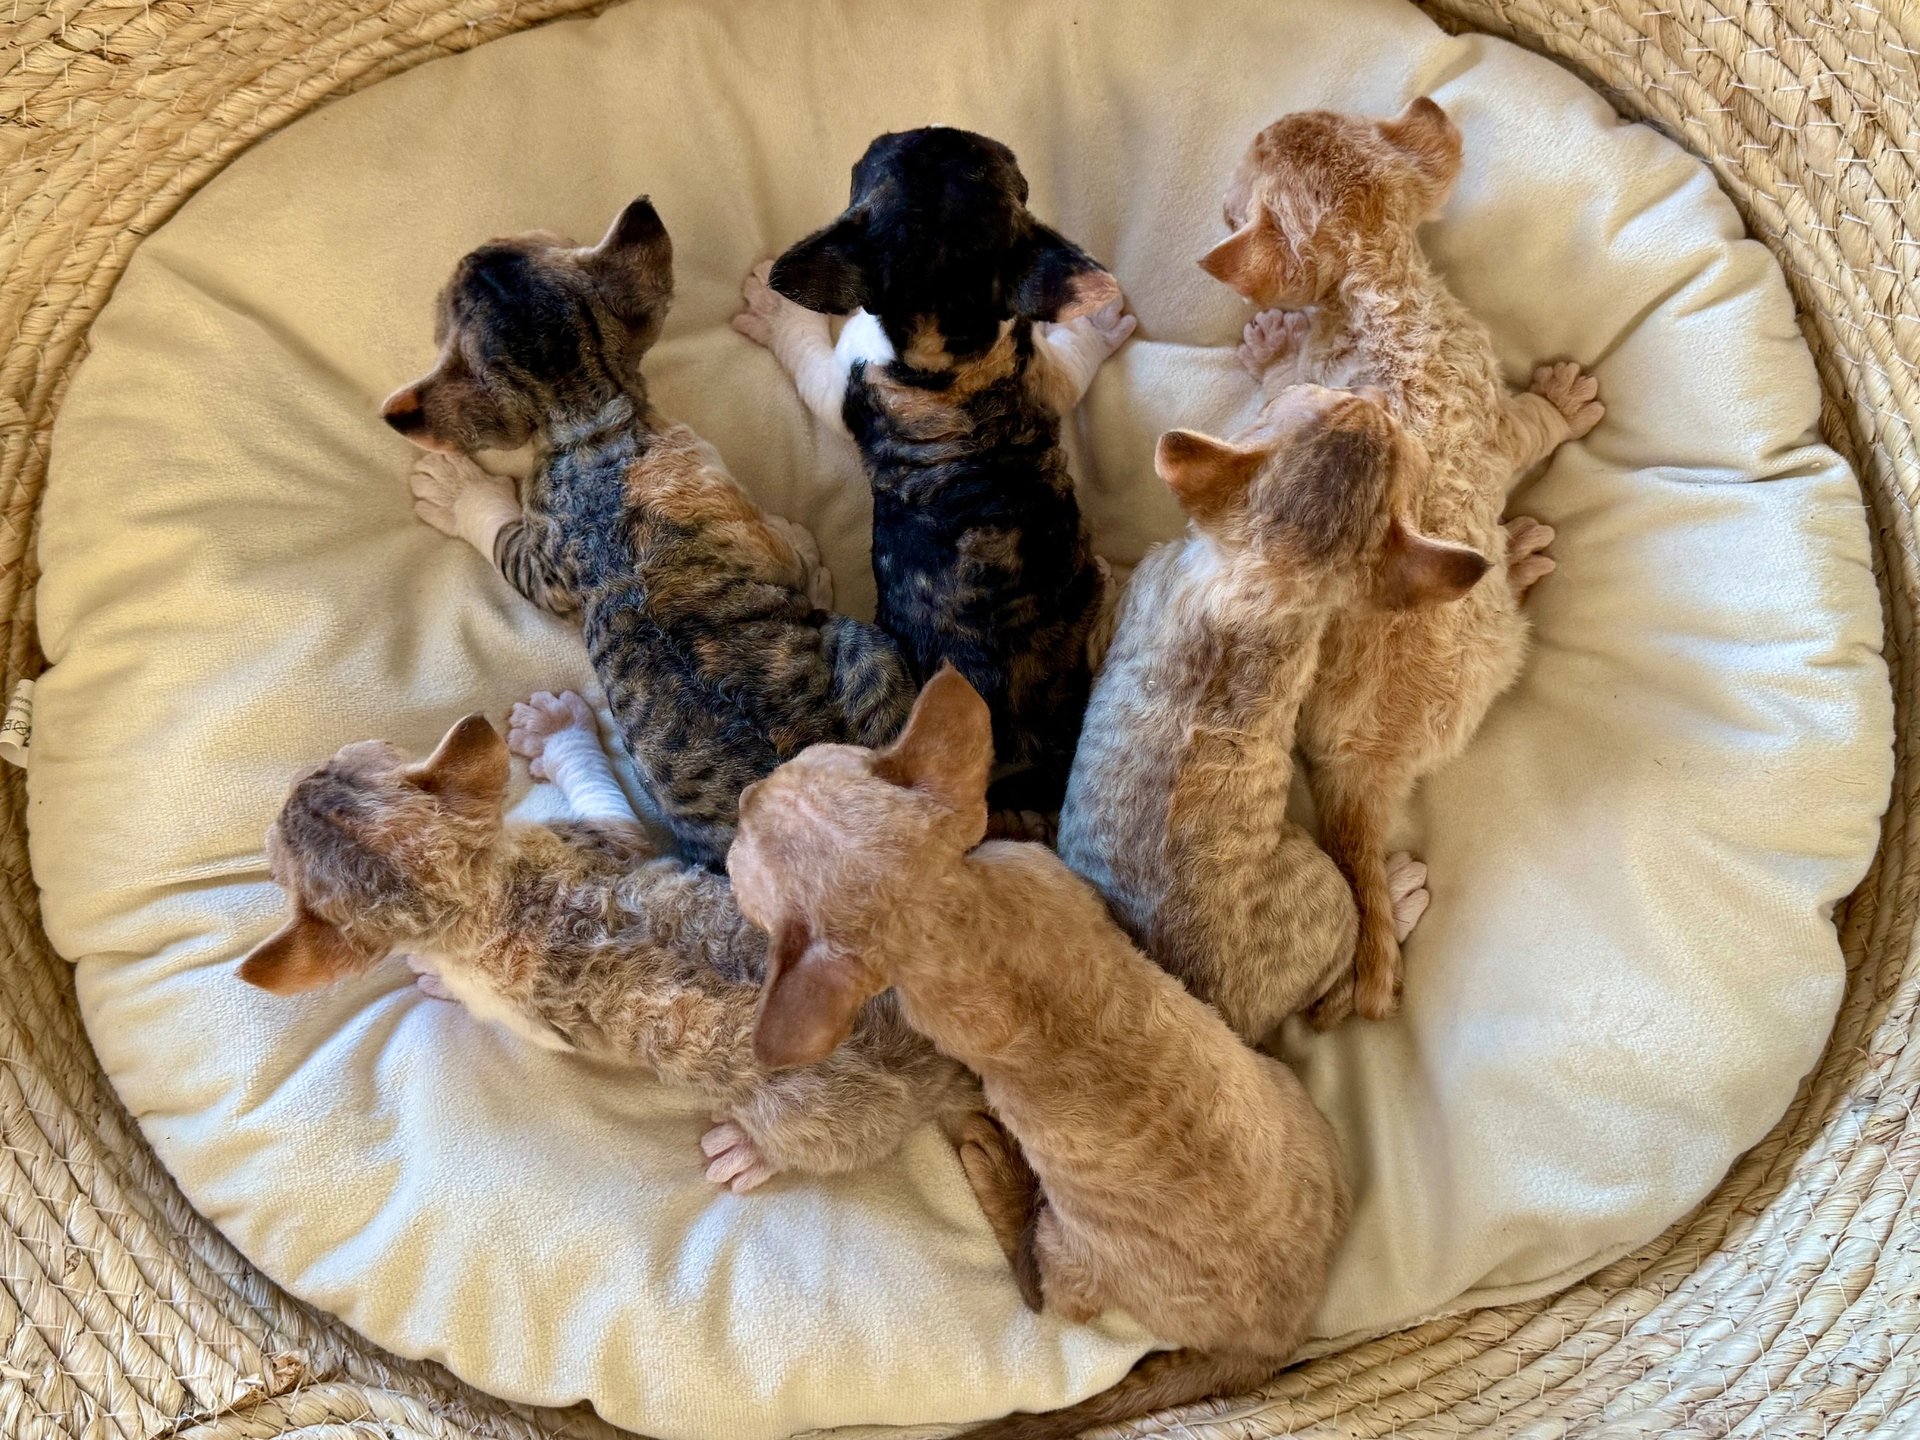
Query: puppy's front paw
<point x="1573" y="392"/>
<point x="456" y="497"/>
<point x="769" y="313"/>
<point x="539" y="718"/>
<point x="1112" y="323"/>
<point x="1527" y="558"/>
<point x="1273" y="337"/>
<point x="733" y="1160"/>
<point x="437" y="480"/>
<point x="820" y="588"/>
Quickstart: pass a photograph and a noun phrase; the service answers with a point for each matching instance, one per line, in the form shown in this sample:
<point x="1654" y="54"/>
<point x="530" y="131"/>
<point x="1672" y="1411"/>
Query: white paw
<point x="1096" y="335"/>
<point x="1573" y="392"/>
<point x="438" y="480"/>
<point x="539" y="718"/>
<point x="1273" y="337"/>
<point x="426" y="979"/>
<point x="1112" y="322"/>
<point x="1527" y="558"/>
<point x="1407" y="885"/>
<point x="768" y="311"/>
<point x="820" y="588"/>
<point x="732" y="1159"/>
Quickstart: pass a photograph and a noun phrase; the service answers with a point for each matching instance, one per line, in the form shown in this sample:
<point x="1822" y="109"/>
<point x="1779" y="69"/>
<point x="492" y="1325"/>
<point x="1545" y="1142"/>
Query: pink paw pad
<point x="733" y="1160"/>
<point x="1273" y="336"/>
<point x="539" y="718"/>
<point x="1407" y="885"/>
<point x="1527" y="560"/>
<point x="1573" y="392"/>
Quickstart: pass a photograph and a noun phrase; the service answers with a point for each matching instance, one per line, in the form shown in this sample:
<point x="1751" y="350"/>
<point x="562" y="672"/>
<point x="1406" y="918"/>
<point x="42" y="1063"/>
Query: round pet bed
<point x="129" y="1314"/>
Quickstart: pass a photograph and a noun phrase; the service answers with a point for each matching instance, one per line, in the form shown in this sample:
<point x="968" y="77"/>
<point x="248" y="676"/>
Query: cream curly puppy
<point x="1325" y="210"/>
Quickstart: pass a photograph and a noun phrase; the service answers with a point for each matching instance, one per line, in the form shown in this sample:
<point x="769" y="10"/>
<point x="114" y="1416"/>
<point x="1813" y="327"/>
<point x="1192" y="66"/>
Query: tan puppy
<point x="1325" y="210"/>
<point x="1177" y="807"/>
<point x="1188" y="1179"/>
<point x="577" y="937"/>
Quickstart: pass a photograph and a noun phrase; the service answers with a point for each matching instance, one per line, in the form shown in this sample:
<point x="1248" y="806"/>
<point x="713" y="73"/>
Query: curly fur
<point x="1187" y="1178"/>
<point x="698" y="610"/>
<point x="1324" y="210"/>
<point x="579" y="937"/>
<point x="1176" y="810"/>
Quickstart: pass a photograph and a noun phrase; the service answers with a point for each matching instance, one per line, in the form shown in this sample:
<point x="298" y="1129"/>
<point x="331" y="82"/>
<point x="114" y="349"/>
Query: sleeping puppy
<point x="954" y="394"/>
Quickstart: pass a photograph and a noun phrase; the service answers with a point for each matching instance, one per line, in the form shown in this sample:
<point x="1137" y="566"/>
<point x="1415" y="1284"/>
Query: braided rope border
<point x="1786" y="1304"/>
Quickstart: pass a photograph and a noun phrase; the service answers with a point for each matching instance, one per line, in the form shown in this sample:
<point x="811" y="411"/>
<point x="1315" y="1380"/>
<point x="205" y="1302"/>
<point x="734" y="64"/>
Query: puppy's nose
<point x="403" y="411"/>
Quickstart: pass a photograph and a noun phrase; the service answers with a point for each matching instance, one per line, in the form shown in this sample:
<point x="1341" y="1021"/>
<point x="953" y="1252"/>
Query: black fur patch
<point x="980" y="554"/>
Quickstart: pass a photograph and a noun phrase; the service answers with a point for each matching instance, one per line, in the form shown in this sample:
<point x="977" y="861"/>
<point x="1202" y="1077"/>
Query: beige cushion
<point x="1629" y="961"/>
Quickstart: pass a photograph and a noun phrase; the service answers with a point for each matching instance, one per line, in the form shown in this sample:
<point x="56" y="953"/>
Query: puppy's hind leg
<point x="1008" y="1192"/>
<point x="1070" y="1277"/>
<point x="1309" y="922"/>
<point x="1357" y="803"/>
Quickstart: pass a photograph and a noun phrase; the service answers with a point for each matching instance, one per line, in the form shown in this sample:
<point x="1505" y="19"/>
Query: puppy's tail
<point x="1159" y="1382"/>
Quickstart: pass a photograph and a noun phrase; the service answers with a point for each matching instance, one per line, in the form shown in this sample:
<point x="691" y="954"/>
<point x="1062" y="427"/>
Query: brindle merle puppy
<point x="702" y="615"/>
<point x="954" y="397"/>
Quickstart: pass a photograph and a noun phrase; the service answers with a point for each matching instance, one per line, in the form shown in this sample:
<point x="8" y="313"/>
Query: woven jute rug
<point x="1786" y="1305"/>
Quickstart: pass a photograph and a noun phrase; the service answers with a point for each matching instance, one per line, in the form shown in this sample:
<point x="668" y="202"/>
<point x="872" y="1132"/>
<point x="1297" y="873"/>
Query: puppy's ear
<point x="807" y="1002"/>
<point x="1424" y="134"/>
<point x="303" y="954"/>
<point x="468" y="771"/>
<point x="823" y="272"/>
<point x="632" y="266"/>
<point x="1206" y="475"/>
<point x="1254" y="261"/>
<point x="946" y="747"/>
<point x="1420" y="570"/>
<point x="1057" y="280"/>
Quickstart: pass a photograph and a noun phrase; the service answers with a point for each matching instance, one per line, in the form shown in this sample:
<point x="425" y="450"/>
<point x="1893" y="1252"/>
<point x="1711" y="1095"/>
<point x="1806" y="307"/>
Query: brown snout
<point x="404" y="412"/>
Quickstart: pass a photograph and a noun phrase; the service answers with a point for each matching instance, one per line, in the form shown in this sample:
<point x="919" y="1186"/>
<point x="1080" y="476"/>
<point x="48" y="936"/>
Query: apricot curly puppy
<point x="1324" y="210"/>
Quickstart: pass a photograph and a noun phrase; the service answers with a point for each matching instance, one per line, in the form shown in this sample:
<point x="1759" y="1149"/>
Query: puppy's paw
<point x="1008" y="1193"/>
<point x="769" y="312"/>
<point x="1407" y="886"/>
<point x="1093" y="336"/>
<point x="1273" y="337"/>
<point x="437" y="481"/>
<point x="1527" y="558"/>
<point x="1112" y="323"/>
<point x="801" y="538"/>
<point x="539" y="718"/>
<point x="426" y="979"/>
<point x="1573" y="392"/>
<point x="733" y="1160"/>
<point x="820" y="588"/>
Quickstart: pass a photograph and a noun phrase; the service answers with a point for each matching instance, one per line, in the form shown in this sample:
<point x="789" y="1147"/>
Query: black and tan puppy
<point x="701" y="614"/>
<point x="954" y="396"/>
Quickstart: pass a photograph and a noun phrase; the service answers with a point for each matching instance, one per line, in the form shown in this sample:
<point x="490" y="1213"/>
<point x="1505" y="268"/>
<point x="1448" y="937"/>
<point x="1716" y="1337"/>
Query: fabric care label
<point x="16" y="731"/>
